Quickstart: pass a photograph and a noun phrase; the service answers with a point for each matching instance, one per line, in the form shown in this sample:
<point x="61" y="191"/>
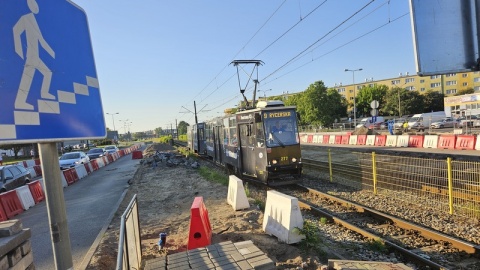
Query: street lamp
<point x="264" y="94"/>
<point x="113" y="120"/>
<point x="354" y="96"/>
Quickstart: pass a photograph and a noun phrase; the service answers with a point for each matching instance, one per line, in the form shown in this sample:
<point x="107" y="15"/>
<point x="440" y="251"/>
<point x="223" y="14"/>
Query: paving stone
<point x="14" y="257"/>
<point x="240" y="245"/>
<point x="244" y="265"/>
<point x="26" y="247"/>
<point x="213" y="254"/>
<point x="4" y="263"/>
<point x="264" y="264"/>
<point x="202" y="265"/>
<point x="25" y="263"/>
<point x="205" y="260"/>
<point x="253" y="255"/>
<point x="10" y="227"/>
<point x="178" y="264"/>
<point x="11" y="242"/>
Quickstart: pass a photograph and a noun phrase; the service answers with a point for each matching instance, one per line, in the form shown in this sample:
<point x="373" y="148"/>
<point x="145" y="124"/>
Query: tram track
<point x="415" y="243"/>
<point x="423" y="246"/>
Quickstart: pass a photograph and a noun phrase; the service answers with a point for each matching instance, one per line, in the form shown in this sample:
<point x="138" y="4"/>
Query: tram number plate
<point x="283" y="160"/>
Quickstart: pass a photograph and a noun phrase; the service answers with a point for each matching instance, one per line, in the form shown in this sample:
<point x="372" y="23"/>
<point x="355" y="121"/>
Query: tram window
<point x="233" y="136"/>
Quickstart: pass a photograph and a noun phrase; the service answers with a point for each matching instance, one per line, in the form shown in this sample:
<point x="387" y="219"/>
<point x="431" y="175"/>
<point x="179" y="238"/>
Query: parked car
<point x="96" y="153"/>
<point x="398" y="123"/>
<point x="72" y="159"/>
<point x="111" y="149"/>
<point x="13" y="176"/>
<point x="379" y="125"/>
<point x="447" y="122"/>
<point x="467" y="121"/>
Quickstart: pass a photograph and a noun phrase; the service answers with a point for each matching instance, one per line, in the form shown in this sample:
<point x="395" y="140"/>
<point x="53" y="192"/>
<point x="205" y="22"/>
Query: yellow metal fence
<point x="450" y="185"/>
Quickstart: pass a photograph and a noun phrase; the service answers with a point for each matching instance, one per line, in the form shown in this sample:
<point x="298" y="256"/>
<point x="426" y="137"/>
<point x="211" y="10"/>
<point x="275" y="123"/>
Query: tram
<point x="261" y="143"/>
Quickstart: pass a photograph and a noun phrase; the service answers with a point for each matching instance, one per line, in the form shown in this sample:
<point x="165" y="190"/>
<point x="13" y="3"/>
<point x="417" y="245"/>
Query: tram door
<point x="248" y="148"/>
<point x="218" y="140"/>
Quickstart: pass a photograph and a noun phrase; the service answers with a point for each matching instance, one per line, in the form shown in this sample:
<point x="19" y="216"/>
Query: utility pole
<point x="176" y="127"/>
<point x="196" y="126"/>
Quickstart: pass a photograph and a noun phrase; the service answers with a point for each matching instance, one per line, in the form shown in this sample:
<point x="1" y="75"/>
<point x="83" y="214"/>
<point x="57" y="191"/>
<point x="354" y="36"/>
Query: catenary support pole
<point x="57" y="214"/>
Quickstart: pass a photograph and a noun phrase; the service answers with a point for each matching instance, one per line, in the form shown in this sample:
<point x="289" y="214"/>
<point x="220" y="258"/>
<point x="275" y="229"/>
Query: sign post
<point x="47" y="80"/>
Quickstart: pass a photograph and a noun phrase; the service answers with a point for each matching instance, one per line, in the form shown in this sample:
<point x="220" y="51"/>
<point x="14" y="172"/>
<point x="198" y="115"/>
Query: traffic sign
<point x="49" y="89"/>
<point x="374" y="104"/>
<point x="374" y="112"/>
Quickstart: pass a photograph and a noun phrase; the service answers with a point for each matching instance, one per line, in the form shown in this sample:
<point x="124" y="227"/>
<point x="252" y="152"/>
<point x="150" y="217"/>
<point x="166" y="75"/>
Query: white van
<point x="367" y="122"/>
<point x="422" y="120"/>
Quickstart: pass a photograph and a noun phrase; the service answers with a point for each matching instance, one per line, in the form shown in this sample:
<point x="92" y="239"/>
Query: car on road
<point x="111" y="149"/>
<point x="13" y="176"/>
<point x="96" y="153"/>
<point x="447" y="122"/>
<point x="72" y="159"/>
<point x="467" y="121"/>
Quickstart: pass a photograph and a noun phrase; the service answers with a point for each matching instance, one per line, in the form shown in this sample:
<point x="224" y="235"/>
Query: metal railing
<point x="450" y="185"/>
<point x="129" y="249"/>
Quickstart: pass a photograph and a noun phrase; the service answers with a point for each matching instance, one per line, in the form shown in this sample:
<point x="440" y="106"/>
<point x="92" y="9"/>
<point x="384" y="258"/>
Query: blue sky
<point x="156" y="57"/>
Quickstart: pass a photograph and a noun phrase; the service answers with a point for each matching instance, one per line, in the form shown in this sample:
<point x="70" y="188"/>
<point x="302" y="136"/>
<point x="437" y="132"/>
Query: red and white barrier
<point x="370" y="140"/>
<point x="25" y="197"/>
<point x="430" y="141"/>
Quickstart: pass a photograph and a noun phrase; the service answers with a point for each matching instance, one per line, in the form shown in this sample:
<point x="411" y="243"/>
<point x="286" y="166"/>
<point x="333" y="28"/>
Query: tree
<point x="158" y="131"/>
<point x="318" y="105"/>
<point x="412" y="102"/>
<point x="368" y="94"/>
<point x="16" y="148"/>
<point x="182" y="127"/>
<point x="465" y="91"/>
<point x="395" y="97"/>
<point x="433" y="101"/>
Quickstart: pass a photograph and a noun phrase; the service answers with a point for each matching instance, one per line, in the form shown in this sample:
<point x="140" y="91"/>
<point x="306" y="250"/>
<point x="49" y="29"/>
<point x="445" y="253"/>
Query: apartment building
<point x="448" y="84"/>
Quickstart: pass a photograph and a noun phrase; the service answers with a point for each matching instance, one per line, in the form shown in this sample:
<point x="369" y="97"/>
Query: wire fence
<point x="452" y="186"/>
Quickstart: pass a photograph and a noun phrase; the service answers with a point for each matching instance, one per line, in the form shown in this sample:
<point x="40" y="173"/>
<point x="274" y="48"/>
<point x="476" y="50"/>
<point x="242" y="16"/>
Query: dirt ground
<point x="165" y="194"/>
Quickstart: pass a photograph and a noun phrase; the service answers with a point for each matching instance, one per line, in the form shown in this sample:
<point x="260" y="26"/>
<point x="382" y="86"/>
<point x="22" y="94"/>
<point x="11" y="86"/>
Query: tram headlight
<point x="274" y="161"/>
<point x="294" y="160"/>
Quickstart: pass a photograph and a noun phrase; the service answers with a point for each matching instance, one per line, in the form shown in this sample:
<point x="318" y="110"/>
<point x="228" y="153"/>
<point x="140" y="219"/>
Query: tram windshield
<point x="280" y="128"/>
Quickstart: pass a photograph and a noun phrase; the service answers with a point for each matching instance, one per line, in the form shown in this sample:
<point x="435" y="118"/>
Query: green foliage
<point x="182" y="138"/>
<point x="368" y="94"/>
<point x="377" y="246"/>
<point x="323" y="220"/>
<point x="312" y="239"/>
<point x="182" y="128"/>
<point x="260" y="204"/>
<point x="247" y="190"/>
<point x="411" y="102"/>
<point x="318" y="105"/>
<point x="158" y="131"/>
<point x="465" y="91"/>
<point x="433" y="101"/>
<point x="213" y="176"/>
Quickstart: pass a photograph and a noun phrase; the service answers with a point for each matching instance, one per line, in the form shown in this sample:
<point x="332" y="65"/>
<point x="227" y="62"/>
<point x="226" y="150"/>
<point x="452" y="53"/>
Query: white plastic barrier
<point x="353" y="140"/>
<point x="100" y="162"/>
<point x="402" y="140"/>
<point x="331" y="139"/>
<point x="81" y="171"/>
<point x="90" y="168"/>
<point x="477" y="143"/>
<point x="282" y="215"/>
<point x="430" y="141"/>
<point x="457" y="131"/>
<point x="391" y="140"/>
<point x="64" y="181"/>
<point x="25" y="196"/>
<point x="236" y="196"/>
<point x="315" y="139"/>
<point x="32" y="171"/>
<point x="370" y="140"/>
<point x="29" y="163"/>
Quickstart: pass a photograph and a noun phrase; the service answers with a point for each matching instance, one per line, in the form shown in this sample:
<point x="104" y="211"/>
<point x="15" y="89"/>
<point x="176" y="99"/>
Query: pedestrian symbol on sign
<point x="34" y="38"/>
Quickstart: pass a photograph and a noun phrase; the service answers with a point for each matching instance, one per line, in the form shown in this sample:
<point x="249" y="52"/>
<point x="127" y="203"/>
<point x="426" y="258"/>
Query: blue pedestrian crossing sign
<point x="49" y="89"/>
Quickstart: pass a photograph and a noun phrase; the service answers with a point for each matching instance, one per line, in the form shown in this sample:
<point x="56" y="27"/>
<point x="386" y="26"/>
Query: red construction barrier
<point x="380" y="140"/>
<point x="38" y="169"/>
<point x="37" y="191"/>
<point x="465" y="142"/>
<point x="110" y="158"/>
<point x="345" y="139"/>
<point x="25" y="164"/>
<point x="310" y="139"/>
<point x="446" y="141"/>
<point x="37" y="162"/>
<point x="137" y="155"/>
<point x="75" y="175"/>
<point x="11" y="203"/>
<point x="3" y="216"/>
<point x="200" y="234"/>
<point x="87" y="168"/>
<point x="122" y="153"/>
<point x="338" y="139"/>
<point x="416" y="141"/>
<point x="326" y="139"/>
<point x="94" y="164"/>
<point x="361" y="139"/>
<point x="68" y="176"/>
